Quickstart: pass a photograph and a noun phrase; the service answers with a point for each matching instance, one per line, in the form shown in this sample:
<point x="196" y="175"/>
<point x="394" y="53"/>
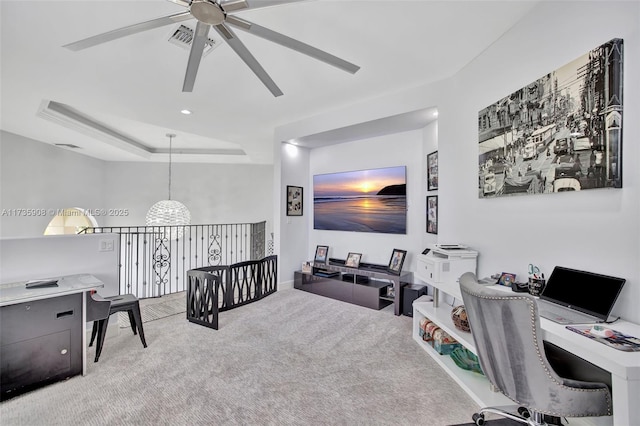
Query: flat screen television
<point x="373" y="200"/>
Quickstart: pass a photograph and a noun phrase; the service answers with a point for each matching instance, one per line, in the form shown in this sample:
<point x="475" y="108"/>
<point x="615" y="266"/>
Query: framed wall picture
<point x="559" y="133"/>
<point x="432" y="171"/>
<point x="321" y="254"/>
<point x="396" y="261"/>
<point x="294" y="200"/>
<point x="353" y="260"/>
<point x="432" y="214"/>
<point x="346" y="201"/>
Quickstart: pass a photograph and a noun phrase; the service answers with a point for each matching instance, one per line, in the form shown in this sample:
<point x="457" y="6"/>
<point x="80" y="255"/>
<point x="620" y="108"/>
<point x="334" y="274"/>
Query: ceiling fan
<point x="216" y="14"/>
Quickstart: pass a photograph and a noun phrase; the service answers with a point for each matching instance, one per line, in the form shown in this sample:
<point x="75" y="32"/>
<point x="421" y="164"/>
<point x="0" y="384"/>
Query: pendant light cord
<point x="171" y="136"/>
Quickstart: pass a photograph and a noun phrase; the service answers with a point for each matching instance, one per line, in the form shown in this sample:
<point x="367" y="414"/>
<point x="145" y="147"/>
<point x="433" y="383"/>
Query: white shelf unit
<point x="475" y="384"/>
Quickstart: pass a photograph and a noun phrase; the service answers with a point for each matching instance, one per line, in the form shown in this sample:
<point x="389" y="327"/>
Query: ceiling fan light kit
<point x="215" y="13"/>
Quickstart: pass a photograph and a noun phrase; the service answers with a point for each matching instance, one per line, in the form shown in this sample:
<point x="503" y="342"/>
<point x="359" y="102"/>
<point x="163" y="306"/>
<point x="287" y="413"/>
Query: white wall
<point x="38" y="175"/>
<point x="34" y="175"/>
<point x="293" y="229"/>
<point x="372" y="154"/>
<point x="595" y="230"/>
<point x="213" y="193"/>
<point x="430" y="144"/>
<point x="53" y="256"/>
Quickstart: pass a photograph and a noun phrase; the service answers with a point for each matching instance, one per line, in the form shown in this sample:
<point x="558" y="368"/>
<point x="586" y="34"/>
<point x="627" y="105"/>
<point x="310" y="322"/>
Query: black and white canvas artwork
<point x="562" y="132"/>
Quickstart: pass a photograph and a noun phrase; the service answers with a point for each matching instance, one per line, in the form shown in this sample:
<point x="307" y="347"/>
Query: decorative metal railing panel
<point x="214" y="289"/>
<point x="203" y="291"/>
<point x="269" y="275"/>
<point x="152" y="264"/>
<point x="244" y="281"/>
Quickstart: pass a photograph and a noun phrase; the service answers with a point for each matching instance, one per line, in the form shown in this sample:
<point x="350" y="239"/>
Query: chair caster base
<point x="478" y="419"/>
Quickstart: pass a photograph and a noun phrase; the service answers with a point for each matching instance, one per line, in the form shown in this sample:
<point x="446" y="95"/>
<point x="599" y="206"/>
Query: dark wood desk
<point x="42" y="333"/>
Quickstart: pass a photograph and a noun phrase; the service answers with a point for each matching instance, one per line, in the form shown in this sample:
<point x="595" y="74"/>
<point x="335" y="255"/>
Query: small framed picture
<point x="432" y="171"/>
<point x="432" y="214"/>
<point x="321" y="254"/>
<point x="294" y="200"/>
<point x="391" y="292"/>
<point x="353" y="260"/>
<point x="396" y="261"/>
<point x="507" y="278"/>
<point x="306" y="267"/>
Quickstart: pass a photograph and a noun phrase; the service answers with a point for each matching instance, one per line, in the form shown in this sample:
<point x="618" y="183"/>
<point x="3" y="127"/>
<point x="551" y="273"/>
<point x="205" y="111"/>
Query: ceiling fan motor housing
<point x="208" y="12"/>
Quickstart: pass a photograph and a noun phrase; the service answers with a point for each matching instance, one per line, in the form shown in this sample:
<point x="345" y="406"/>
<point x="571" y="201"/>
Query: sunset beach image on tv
<point x="372" y="200"/>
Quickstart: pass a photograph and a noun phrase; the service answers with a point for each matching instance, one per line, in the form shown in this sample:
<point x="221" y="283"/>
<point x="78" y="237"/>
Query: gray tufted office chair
<point x="506" y="331"/>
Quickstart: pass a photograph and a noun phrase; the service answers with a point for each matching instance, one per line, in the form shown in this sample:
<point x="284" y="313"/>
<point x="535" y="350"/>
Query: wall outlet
<point x="106" y="245"/>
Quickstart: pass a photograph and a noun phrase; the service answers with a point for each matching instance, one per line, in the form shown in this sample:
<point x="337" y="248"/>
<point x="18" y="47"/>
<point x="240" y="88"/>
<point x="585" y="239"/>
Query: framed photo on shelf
<point x="432" y="171"/>
<point x="353" y="260"/>
<point x="507" y="278"/>
<point x="432" y="214"/>
<point x="294" y="200"/>
<point x="391" y="292"/>
<point x="396" y="261"/>
<point x="321" y="254"/>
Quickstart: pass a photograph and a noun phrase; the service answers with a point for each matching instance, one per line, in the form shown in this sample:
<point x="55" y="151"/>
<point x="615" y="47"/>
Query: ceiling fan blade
<point x="195" y="55"/>
<point x="241" y="50"/>
<point x="125" y="31"/>
<point x="291" y="43"/>
<point x="234" y="5"/>
<point x="185" y="3"/>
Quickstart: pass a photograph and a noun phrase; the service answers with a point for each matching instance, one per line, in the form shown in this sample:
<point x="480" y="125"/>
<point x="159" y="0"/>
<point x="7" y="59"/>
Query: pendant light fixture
<point x="170" y="216"/>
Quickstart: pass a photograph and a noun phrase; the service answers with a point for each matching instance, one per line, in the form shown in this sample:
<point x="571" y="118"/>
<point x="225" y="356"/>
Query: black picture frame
<point x="321" y="255"/>
<point x="432" y="214"/>
<point x="432" y="171"/>
<point x="396" y="261"/>
<point x="295" y="198"/>
<point x="353" y="260"/>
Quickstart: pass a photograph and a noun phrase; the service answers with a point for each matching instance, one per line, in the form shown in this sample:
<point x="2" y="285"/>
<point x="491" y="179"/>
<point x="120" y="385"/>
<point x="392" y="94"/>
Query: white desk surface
<point x="13" y="293"/>
<point x="623" y="364"/>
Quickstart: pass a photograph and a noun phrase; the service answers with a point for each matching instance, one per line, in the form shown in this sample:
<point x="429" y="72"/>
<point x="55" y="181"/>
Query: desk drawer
<point x="37" y="360"/>
<point x="28" y="320"/>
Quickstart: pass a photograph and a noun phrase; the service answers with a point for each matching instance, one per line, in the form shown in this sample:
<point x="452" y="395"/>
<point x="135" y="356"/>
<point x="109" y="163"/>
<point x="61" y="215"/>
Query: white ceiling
<point x="133" y="85"/>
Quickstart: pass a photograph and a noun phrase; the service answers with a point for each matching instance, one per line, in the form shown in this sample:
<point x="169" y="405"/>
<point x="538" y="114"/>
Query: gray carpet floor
<point x="156" y="308"/>
<point x="293" y="358"/>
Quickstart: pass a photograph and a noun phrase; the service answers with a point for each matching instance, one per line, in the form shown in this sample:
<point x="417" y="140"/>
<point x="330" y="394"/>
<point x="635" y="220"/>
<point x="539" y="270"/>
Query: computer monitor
<point x="587" y="292"/>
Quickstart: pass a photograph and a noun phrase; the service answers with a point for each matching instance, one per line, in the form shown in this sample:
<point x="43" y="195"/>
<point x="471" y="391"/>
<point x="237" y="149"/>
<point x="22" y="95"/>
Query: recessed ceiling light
<point x="435" y="113"/>
<point x="185" y="112"/>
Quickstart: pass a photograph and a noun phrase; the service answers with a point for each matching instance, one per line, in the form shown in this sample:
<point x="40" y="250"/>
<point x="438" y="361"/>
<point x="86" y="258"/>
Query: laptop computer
<point x="578" y="297"/>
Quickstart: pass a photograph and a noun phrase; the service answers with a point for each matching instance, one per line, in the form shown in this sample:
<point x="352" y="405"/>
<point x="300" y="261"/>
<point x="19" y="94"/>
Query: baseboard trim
<point x="285" y="285"/>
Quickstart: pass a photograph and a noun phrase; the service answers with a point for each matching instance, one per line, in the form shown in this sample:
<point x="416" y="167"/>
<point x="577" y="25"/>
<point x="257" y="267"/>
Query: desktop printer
<point x="443" y="264"/>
